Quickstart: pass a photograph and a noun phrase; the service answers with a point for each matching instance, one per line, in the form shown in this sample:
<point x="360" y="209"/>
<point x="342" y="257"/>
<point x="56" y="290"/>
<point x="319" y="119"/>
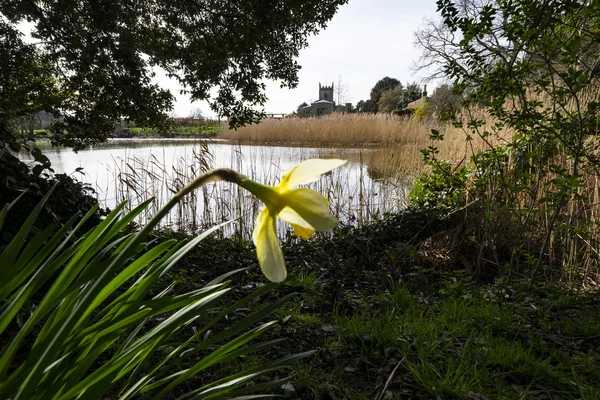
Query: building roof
<point x="415" y="104"/>
<point x="323" y="102"/>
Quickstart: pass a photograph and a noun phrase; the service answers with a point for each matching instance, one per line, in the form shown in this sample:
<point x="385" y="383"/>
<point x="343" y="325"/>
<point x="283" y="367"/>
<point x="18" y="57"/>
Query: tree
<point x="411" y="92"/>
<point x="196" y="113"/>
<point x="93" y="61"/>
<point x="391" y="100"/>
<point x="303" y="110"/>
<point x="366" y="106"/>
<point x="381" y="86"/>
<point x="341" y="91"/>
<point x="446" y="102"/>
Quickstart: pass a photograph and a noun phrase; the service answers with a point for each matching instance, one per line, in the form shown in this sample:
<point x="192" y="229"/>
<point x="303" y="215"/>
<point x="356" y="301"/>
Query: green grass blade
<point x="143" y="348"/>
<point x="248" y="321"/>
<point x="38" y="260"/>
<point x="76" y="263"/>
<point x="217" y="356"/>
<point x="8" y="257"/>
<point x="211" y="389"/>
<point x="6" y="209"/>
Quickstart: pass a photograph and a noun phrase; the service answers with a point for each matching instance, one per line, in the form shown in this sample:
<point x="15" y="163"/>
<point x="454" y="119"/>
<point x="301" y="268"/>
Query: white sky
<point x="365" y="41"/>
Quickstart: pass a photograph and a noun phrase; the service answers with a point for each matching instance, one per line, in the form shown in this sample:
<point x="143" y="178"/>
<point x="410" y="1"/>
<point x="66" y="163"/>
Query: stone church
<point x="325" y="105"/>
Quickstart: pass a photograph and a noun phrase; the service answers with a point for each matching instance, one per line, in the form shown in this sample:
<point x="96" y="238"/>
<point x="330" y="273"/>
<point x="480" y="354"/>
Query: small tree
<point x="381" y="86"/>
<point x="366" y="106"/>
<point x="391" y="100"/>
<point x="445" y="101"/>
<point x="341" y="91"/>
<point x="411" y="92"/>
<point x="303" y="110"/>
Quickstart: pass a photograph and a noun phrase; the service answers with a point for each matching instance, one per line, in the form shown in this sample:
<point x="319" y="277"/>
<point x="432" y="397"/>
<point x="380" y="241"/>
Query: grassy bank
<point x="391" y="318"/>
<point x="177" y="131"/>
<point x="203" y="131"/>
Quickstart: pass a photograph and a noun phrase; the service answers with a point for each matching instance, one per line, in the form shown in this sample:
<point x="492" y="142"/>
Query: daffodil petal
<point x="304" y="233"/>
<point x="308" y="171"/>
<point x="307" y="209"/>
<point x="268" y="252"/>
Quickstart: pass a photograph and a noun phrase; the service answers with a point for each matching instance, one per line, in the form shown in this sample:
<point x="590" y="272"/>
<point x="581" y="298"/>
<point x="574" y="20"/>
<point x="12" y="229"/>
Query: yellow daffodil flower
<point x="303" y="208"/>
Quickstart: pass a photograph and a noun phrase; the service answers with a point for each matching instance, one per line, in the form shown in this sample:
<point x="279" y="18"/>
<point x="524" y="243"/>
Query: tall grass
<point x="356" y="194"/>
<point x="528" y="211"/>
<point x="397" y="141"/>
<point x="334" y="128"/>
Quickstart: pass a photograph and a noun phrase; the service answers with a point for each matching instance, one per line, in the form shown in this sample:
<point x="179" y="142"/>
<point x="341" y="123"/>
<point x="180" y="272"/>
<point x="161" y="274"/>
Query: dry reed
<point x="354" y="197"/>
<point x="392" y="144"/>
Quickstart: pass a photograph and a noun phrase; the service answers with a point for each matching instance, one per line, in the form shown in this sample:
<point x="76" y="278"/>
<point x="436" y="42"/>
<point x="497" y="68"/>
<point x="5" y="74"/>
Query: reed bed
<point x="393" y="144"/>
<point x="355" y="196"/>
<point x="335" y="128"/>
<point x="509" y="219"/>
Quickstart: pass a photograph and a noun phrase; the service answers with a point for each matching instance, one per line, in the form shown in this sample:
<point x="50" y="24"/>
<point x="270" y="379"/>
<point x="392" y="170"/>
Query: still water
<point x="137" y="170"/>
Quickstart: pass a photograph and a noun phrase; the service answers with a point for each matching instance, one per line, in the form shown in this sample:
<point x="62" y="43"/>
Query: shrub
<point x="443" y="189"/>
<point x="424" y="110"/>
<point x="405" y="112"/>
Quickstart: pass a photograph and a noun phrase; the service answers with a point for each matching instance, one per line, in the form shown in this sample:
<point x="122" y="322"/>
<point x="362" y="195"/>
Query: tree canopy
<point x="391" y="100"/>
<point x="381" y="86"/>
<point x="92" y="63"/>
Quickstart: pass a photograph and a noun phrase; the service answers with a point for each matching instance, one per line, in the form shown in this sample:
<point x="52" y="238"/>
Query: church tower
<point x="326" y="92"/>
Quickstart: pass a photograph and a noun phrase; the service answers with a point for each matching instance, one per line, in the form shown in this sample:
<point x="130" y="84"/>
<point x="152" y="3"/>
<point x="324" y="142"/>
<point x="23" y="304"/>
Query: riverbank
<point x="187" y="132"/>
<point x="391" y="317"/>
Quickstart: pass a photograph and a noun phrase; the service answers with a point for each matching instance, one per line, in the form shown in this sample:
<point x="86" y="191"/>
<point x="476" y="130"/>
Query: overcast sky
<point x="365" y="41"/>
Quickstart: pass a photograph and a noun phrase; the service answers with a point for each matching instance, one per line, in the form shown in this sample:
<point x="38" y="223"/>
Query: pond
<point x="137" y="170"/>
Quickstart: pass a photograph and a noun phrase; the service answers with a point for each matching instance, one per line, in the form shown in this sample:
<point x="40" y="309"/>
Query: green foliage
<point x="381" y="86"/>
<point x="528" y="68"/>
<point x="17" y="180"/>
<point x="405" y="112"/>
<point x="93" y="63"/>
<point x="366" y="106"/>
<point x="425" y="110"/>
<point x="87" y="318"/>
<point x="412" y="91"/>
<point x="391" y="95"/>
<point x="175" y="131"/>
<point x="435" y="333"/>
<point x="443" y="189"/>
<point x="390" y="100"/>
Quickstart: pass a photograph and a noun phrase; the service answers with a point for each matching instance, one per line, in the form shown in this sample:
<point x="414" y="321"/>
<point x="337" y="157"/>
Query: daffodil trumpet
<point x="303" y="208"/>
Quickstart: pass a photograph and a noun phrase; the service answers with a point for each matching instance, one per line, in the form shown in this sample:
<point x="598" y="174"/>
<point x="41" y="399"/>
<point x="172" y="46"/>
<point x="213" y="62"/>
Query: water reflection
<point x="138" y="170"/>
